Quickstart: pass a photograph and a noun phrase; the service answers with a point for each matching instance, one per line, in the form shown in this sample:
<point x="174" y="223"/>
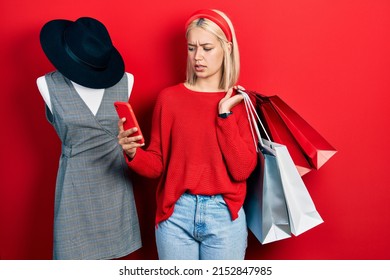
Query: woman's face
<point x="205" y="54"/>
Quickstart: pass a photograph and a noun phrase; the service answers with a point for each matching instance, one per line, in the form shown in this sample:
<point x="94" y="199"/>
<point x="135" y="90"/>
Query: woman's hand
<point x="228" y="102"/>
<point x="129" y="143"/>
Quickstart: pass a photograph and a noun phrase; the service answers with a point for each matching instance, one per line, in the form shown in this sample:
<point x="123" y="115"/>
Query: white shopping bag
<point x="302" y="212"/>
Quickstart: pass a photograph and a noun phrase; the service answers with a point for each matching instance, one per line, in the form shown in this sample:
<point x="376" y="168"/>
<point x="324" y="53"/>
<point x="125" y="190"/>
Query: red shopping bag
<point x="279" y="133"/>
<point x="317" y="149"/>
<point x="307" y="147"/>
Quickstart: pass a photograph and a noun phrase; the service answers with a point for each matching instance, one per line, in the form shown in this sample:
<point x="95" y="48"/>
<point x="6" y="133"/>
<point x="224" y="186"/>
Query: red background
<point x="328" y="59"/>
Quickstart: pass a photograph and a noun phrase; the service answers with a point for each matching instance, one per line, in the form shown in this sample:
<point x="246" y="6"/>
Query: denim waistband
<point x="201" y="197"/>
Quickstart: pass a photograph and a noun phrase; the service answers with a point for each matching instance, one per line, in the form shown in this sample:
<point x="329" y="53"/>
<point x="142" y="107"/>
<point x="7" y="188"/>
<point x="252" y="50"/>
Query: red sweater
<point x="193" y="150"/>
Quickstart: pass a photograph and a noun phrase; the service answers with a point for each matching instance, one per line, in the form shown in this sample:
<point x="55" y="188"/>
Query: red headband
<point x="214" y="17"/>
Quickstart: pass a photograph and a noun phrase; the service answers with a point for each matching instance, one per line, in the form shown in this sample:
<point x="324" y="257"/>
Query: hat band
<point x="75" y="58"/>
<point x="214" y="17"/>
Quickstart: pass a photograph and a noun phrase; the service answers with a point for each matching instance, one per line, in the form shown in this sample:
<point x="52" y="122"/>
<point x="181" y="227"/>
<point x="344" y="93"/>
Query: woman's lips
<point x="200" y="68"/>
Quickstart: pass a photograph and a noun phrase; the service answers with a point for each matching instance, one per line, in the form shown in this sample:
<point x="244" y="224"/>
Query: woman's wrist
<point x="130" y="155"/>
<point x="223" y="110"/>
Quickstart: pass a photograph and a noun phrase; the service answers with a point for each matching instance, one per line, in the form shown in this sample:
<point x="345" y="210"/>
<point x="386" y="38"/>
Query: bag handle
<point x="252" y="116"/>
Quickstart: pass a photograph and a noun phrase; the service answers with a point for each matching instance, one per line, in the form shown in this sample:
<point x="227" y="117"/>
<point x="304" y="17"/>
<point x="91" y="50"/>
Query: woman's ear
<point x="230" y="47"/>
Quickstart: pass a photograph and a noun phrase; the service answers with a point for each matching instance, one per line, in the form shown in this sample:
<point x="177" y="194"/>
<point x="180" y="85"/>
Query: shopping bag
<point x="302" y="212"/>
<point x="316" y="148"/>
<point x="287" y="127"/>
<point x="265" y="204"/>
<point x="300" y="207"/>
<point x="280" y="133"/>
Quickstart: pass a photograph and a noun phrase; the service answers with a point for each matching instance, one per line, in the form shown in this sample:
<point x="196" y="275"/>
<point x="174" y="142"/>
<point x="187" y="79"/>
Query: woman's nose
<point x="198" y="55"/>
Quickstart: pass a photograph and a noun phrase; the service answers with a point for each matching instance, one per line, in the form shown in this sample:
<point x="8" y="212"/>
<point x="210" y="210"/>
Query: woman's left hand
<point x="228" y="102"/>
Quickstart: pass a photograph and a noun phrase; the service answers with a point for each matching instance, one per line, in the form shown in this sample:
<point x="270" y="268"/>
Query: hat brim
<point x="51" y="38"/>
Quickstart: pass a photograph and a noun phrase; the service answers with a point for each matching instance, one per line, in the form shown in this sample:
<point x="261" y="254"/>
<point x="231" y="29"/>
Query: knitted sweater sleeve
<point x="236" y="144"/>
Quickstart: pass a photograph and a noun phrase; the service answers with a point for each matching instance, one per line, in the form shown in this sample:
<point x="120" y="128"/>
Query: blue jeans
<point x="201" y="228"/>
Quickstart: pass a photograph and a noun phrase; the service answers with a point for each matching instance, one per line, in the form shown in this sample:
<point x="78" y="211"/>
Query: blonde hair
<point x="231" y="60"/>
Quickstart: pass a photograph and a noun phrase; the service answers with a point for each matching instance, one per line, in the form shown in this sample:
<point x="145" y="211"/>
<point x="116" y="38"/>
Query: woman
<point x="201" y="149"/>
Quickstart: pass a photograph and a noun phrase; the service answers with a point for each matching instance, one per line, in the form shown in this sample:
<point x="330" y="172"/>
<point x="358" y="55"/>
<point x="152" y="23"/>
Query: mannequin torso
<point x="95" y="216"/>
<point x="92" y="97"/>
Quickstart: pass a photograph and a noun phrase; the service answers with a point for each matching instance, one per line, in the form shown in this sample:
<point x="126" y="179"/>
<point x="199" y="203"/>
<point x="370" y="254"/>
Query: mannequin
<point x="91" y="96"/>
<point x="95" y="215"/>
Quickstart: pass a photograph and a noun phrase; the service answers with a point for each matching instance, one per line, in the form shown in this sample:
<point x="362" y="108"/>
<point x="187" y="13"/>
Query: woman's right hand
<point x="129" y="143"/>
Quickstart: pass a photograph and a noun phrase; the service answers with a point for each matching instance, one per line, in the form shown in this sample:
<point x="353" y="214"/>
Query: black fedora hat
<point x="82" y="51"/>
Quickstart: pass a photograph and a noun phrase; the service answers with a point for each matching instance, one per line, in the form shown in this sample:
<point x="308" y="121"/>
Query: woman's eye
<point x="207" y="49"/>
<point x="191" y="49"/>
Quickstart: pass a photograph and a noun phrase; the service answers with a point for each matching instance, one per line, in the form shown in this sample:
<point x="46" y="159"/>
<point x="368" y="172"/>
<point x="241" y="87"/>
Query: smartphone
<point x="124" y="110"/>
